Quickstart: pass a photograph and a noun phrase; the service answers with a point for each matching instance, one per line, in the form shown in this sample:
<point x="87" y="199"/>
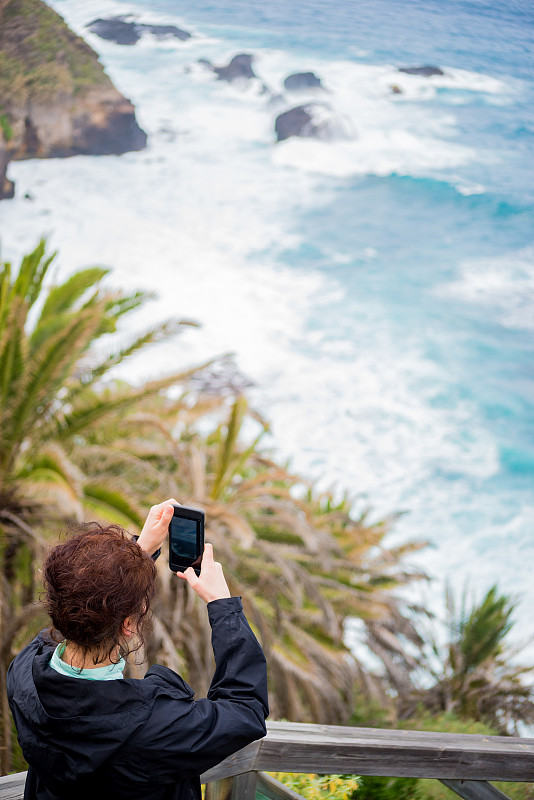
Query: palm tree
<point x="74" y="445"/>
<point x="48" y="399"/>
<point x="478" y="676"/>
<point x="302" y="561"/>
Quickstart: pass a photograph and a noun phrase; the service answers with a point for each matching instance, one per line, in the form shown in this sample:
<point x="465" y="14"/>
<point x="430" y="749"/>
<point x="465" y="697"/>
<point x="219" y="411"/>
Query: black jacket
<point x="129" y="739"/>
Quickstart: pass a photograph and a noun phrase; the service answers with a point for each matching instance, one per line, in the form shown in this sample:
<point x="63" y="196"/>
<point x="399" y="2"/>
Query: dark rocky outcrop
<point x="425" y="72"/>
<point x="115" y="30"/>
<point x="295" y="122"/>
<point x="239" y="68"/>
<point x="165" y="32"/>
<point x="7" y="187"/>
<point x="301" y="81"/>
<point x="313" y="120"/>
<point x="102" y="123"/>
<point x="125" y="31"/>
<point x="55" y="98"/>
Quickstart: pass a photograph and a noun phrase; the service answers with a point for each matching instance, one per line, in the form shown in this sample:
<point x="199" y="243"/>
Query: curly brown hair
<point x="93" y="581"/>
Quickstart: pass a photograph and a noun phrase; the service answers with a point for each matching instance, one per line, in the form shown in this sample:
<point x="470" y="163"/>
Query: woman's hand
<point x="156" y="527"/>
<point x="211" y="584"/>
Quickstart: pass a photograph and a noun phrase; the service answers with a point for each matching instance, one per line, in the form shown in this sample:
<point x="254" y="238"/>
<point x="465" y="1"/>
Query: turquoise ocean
<point x="377" y="289"/>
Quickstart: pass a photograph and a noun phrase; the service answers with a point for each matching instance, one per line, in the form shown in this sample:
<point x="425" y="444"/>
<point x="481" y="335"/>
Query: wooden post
<point x="219" y="790"/>
<point x="475" y="790"/>
<point x="244" y="786"/>
<point x="274" y="789"/>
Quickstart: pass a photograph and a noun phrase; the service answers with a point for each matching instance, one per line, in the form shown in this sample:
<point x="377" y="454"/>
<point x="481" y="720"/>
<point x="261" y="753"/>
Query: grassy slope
<point x="40" y="57"/>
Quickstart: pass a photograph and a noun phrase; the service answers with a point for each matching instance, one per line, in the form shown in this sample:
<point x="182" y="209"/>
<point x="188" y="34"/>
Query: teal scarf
<point x="108" y="673"/>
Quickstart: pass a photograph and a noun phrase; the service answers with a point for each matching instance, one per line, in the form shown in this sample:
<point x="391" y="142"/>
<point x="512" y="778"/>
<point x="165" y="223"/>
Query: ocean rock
<point x="7" y="187"/>
<point x="301" y="81"/>
<point x="115" y="30"/>
<point x="425" y="72"/>
<point x="123" y="31"/>
<point x="101" y="122"/>
<point x="165" y="32"/>
<point x="277" y="101"/>
<point x="295" y="122"/>
<point x="239" y="68"/>
<point x="313" y="120"/>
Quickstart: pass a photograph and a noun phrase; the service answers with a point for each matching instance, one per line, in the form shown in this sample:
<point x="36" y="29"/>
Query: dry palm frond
<point x="301" y="563"/>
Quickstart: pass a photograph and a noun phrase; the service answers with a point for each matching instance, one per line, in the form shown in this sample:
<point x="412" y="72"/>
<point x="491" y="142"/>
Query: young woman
<point x="88" y="732"/>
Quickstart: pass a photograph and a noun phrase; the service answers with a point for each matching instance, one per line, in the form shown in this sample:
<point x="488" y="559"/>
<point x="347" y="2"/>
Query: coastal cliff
<point x="55" y="98"/>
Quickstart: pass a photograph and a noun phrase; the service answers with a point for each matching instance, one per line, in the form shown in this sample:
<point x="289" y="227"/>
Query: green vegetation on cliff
<point x="40" y="57"/>
<point x="55" y="98"/>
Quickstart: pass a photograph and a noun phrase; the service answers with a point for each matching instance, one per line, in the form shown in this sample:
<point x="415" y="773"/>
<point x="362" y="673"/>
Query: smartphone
<point x="186" y="539"/>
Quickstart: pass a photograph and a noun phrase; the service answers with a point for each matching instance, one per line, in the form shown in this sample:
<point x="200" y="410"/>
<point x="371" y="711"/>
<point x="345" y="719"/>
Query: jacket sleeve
<point x="187" y="737"/>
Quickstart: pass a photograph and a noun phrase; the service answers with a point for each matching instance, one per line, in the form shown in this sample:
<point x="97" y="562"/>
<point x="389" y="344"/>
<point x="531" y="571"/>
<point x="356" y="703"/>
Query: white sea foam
<point x="505" y="285"/>
<point x="468" y="189"/>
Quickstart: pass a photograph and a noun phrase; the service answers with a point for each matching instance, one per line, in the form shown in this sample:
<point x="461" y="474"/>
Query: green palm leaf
<point x="63" y="297"/>
<point x="160" y="333"/>
<point x="112" y="505"/>
<point x="98" y="407"/>
<point x="228" y="449"/>
<point x="32" y="273"/>
<point x="483" y="633"/>
<point x="13" y="352"/>
<point x="48" y="374"/>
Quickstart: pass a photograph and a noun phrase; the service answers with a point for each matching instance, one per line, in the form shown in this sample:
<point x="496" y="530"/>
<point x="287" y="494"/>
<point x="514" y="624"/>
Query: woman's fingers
<point x="190" y="576"/>
<point x="165" y="509"/>
<point x="156" y="525"/>
<point x="211" y="584"/>
<point x="166" y="514"/>
<point x="207" y="557"/>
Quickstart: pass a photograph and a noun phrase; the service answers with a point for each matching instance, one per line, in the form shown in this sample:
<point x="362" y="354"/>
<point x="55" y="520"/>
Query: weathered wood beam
<point x="475" y="790"/>
<point x="327" y="749"/>
<point x="242" y="761"/>
<point x="12" y="786"/>
<point x="299" y="747"/>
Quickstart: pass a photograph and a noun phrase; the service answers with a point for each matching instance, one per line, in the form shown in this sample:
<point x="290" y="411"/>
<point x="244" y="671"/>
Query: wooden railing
<point x="463" y="762"/>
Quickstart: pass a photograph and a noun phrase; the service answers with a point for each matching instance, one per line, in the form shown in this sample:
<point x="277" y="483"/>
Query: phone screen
<point x="186" y="539"/>
<point x="184" y="535"/>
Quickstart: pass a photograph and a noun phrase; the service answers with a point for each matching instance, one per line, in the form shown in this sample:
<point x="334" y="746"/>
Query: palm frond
<point x="112" y="505"/>
<point x="32" y="272"/>
<point x="227" y="452"/>
<point x="45" y="377"/>
<point x="160" y="333"/>
<point x="62" y="298"/>
<point x="86" y="414"/>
